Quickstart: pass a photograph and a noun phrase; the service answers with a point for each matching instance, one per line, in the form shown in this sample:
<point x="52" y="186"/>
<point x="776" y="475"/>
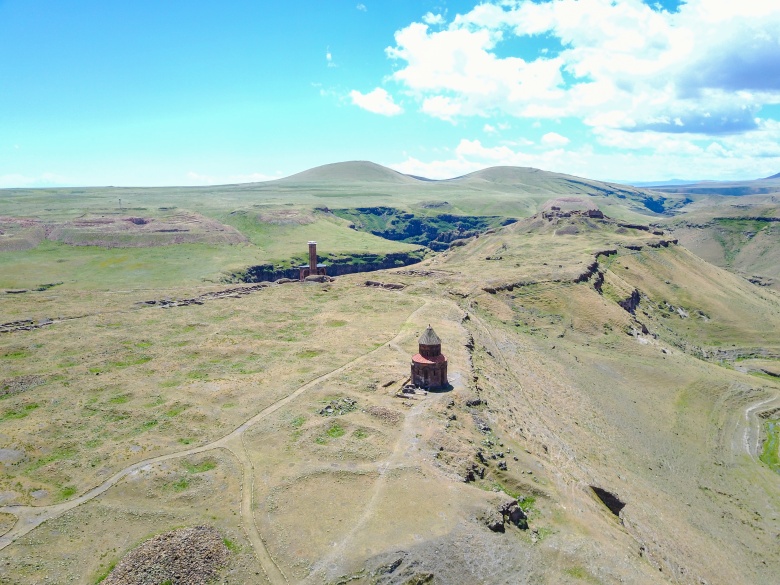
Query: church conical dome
<point x="429" y="337"/>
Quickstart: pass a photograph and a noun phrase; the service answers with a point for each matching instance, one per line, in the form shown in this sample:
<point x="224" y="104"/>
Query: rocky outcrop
<point x="631" y="303"/>
<point x="434" y="231"/>
<point x="337" y="265"/>
<point x="609" y="499"/>
<point x="386" y="285"/>
<point x="24" y="325"/>
<point x="507" y="513"/>
<point x="236" y="292"/>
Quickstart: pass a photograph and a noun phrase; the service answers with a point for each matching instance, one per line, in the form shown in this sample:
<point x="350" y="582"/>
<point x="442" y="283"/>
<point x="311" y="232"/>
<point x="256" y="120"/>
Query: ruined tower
<point x="429" y="366"/>
<point x="313" y="268"/>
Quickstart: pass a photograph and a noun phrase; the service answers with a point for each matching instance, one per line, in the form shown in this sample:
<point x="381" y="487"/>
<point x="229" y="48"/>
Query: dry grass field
<point x="617" y="388"/>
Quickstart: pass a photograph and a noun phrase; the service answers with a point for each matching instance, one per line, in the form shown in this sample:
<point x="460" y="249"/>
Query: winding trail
<point x="30" y="517"/>
<point x="400" y="458"/>
<point x="751" y="438"/>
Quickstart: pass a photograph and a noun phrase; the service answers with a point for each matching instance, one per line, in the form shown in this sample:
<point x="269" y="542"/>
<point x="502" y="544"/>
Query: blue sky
<point x="178" y="93"/>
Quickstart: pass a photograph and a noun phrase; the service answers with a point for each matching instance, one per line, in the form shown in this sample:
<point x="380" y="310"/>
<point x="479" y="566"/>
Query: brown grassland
<point x="121" y="420"/>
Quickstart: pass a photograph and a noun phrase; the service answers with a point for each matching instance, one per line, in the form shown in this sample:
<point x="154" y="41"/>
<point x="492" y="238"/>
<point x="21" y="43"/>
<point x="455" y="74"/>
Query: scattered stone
<point x="189" y="556"/>
<point x="339" y="407"/>
<point x="389" y="568"/>
<point x="385" y="285"/>
<point x="473" y="471"/>
<point x="502" y="465"/>
<point x="481" y="424"/>
<point x="385" y="414"/>
<point x="419" y="579"/>
<point x="317" y="278"/>
<point x="20" y="384"/>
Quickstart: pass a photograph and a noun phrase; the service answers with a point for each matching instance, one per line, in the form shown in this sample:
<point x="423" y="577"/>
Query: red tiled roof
<point x="439" y="359"/>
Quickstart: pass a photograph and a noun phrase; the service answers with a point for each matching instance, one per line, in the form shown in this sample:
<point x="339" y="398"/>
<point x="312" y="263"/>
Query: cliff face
<point x="337" y="265"/>
<point x="434" y="231"/>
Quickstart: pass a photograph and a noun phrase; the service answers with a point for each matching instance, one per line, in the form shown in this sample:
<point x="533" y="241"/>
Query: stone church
<point x="429" y="366"/>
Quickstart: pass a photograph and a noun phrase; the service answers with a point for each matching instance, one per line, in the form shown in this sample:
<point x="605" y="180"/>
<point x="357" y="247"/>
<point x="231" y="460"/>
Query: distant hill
<point x="350" y="172"/>
<point x="517" y="182"/>
<point x="669" y="183"/>
<point x="527" y="178"/>
<point x="729" y="188"/>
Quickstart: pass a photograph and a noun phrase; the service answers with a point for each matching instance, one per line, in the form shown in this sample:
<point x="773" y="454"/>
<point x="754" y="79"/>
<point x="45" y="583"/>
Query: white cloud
<point x="440" y="107"/>
<point x="639" y="156"/>
<point x="554" y="139"/>
<point x="362" y="7"/>
<point x="705" y="69"/>
<point x="377" y="101"/>
<point x="329" y="58"/>
<point x="433" y="19"/>
<point x="489" y="128"/>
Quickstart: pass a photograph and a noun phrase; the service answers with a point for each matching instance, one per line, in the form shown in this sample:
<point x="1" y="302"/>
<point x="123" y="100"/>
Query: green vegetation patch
<point x="201" y="467"/>
<point x="770" y="454"/>
<point x="175" y="410"/>
<point x="335" y="431"/>
<point x="181" y="484"/>
<point x="66" y="492"/>
<point x="17" y="353"/>
<point x="19" y="412"/>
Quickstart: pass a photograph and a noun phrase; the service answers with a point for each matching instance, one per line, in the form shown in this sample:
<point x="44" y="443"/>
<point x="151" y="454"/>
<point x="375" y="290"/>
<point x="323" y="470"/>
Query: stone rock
<point x="187" y="555"/>
<point x="494" y="520"/>
<point x="11" y="456"/>
<point x="317" y="278"/>
<point x="473" y="471"/>
<point x="339" y="407"/>
<point x="514" y="514"/>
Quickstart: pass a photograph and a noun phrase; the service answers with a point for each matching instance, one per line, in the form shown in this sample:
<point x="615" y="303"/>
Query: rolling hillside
<point x="610" y="420"/>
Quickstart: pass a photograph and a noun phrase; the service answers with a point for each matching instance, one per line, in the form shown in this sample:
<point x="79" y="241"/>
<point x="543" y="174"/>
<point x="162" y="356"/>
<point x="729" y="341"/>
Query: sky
<point x="150" y="93"/>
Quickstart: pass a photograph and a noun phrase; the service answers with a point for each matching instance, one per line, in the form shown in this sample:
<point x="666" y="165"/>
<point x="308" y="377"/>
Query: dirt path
<point x="751" y="437"/>
<point x="30" y="517"/>
<point x="400" y="458"/>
